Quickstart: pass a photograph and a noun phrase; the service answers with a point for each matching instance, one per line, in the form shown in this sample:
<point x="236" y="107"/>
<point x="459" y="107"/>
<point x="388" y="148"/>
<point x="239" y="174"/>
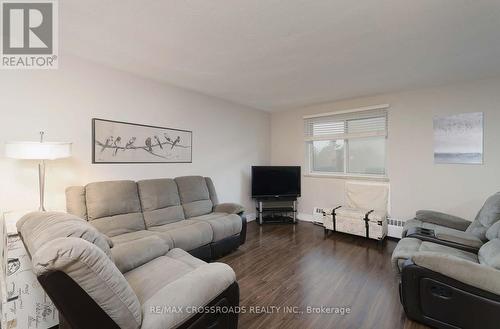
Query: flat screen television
<point x="275" y="181"/>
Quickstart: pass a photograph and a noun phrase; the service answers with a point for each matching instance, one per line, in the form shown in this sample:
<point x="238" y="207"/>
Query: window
<point x="350" y="143"/>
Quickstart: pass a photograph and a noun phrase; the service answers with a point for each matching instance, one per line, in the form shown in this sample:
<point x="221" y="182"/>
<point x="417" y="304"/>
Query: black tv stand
<point x="277" y="210"/>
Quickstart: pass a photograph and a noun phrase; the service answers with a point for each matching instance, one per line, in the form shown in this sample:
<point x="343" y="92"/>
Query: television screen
<point x="272" y="181"/>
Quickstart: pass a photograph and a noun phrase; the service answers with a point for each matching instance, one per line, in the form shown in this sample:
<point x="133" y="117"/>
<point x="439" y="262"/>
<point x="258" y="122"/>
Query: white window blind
<point x="363" y="124"/>
<point x="347" y="143"/>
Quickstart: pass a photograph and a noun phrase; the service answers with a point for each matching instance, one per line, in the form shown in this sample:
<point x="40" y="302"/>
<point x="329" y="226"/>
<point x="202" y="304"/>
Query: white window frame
<point x="381" y="109"/>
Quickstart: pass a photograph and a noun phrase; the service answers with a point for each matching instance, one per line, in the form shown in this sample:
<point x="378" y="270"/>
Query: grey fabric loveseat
<point x="142" y="283"/>
<point x="184" y="212"/>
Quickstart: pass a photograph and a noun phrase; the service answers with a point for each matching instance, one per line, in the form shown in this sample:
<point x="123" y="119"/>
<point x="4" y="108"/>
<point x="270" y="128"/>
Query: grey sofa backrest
<point x="118" y="207"/>
<point x="489" y="254"/>
<point x="211" y="191"/>
<point x="95" y="273"/>
<point x="39" y="228"/>
<point x="113" y="207"/>
<point x="160" y="201"/>
<point x="487" y="216"/>
<point x="76" y="204"/>
<point x="61" y="242"/>
<point x="195" y="195"/>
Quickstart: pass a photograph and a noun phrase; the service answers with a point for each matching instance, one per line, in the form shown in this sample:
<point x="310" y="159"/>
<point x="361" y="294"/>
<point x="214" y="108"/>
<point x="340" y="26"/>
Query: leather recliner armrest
<point x="442" y="219"/>
<point x="229" y="208"/>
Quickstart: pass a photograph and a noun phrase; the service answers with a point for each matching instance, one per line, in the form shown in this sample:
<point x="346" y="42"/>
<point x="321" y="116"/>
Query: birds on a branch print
<point x="123" y="147"/>
<point x="158" y="141"/>
<point x="130" y="143"/>
<point x="177" y="140"/>
<point x="107" y="143"/>
<point x="116" y="144"/>
<point x="148" y="144"/>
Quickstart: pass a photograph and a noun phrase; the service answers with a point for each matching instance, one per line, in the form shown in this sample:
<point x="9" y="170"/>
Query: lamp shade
<point x="37" y="150"/>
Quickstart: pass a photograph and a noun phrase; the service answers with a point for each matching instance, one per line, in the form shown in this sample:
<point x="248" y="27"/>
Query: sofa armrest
<point x="133" y="254"/>
<point x="446" y="237"/>
<point x="229" y="208"/>
<point x="243" y="233"/>
<point x="473" y="274"/>
<point x="460" y="238"/>
<point x="439" y="218"/>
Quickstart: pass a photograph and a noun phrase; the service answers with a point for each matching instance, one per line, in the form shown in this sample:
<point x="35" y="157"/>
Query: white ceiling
<point x="280" y="54"/>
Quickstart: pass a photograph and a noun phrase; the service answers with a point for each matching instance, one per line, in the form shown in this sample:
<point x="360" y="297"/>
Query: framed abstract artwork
<point x="124" y="142"/>
<point x="459" y="138"/>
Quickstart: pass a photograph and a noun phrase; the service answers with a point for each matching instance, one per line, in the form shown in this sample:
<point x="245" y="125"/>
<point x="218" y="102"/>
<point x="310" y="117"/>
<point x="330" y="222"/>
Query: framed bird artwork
<point x="124" y="142"/>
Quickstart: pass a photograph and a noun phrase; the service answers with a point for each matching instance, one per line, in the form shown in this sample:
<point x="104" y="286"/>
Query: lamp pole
<point x="41" y="179"/>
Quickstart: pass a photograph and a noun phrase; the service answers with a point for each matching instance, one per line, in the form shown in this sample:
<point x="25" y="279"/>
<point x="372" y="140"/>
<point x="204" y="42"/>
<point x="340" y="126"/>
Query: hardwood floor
<point x="296" y="266"/>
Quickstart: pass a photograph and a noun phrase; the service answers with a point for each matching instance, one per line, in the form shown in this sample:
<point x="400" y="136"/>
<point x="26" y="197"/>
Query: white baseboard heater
<point x="395" y="228"/>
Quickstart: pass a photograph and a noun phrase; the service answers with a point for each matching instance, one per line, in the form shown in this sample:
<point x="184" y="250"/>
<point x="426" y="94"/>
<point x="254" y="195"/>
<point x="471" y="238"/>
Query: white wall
<point x="416" y="182"/>
<point x="227" y="138"/>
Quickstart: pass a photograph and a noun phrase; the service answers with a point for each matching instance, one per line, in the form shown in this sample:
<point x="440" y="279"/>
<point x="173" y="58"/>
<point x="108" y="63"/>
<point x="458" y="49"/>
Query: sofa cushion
<point x="470" y="273"/>
<point x="489" y="254"/>
<point x="487" y="216"/>
<point x="95" y="273"/>
<point x="39" y="228"/>
<point x="194" y="195"/>
<point x="408" y="247"/>
<point x="155" y="286"/>
<point x="130" y="255"/>
<point x="114" y="207"/>
<point x="187" y="234"/>
<point x="160" y="201"/>
<point x="429" y="246"/>
<point x="147" y="279"/>
<point x="132" y="236"/>
<point x="223" y="225"/>
<point x="197" y="208"/>
<point x="493" y="232"/>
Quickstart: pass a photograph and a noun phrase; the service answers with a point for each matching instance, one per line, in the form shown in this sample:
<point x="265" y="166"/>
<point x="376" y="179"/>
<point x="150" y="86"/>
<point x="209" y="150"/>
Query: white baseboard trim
<point x="304" y="217"/>
<point x="251" y="217"/>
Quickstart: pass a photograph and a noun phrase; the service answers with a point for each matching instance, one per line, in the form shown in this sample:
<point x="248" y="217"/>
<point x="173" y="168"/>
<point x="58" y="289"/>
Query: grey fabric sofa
<point x="454" y="231"/>
<point x="141" y="283"/>
<point x="184" y="212"/>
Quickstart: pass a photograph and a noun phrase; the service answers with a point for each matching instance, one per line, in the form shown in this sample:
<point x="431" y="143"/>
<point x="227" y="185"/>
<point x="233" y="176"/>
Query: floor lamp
<point x="40" y="151"/>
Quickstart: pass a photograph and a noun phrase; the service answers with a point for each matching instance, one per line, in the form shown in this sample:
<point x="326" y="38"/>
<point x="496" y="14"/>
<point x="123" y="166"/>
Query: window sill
<point x="349" y="176"/>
